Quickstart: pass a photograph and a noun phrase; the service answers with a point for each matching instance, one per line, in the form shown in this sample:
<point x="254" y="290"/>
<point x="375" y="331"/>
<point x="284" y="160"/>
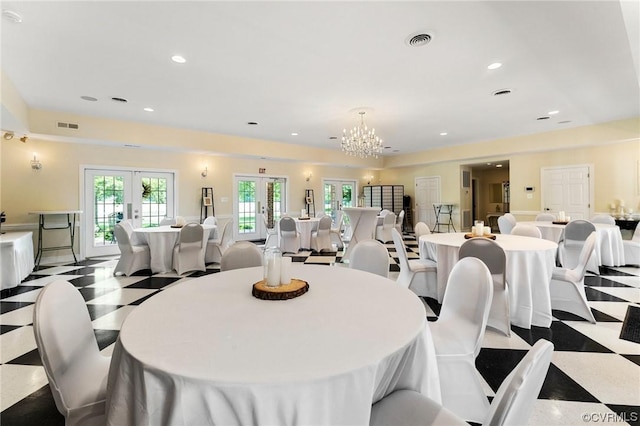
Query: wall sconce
<point x="35" y="163"/>
<point x="308" y="176"/>
<point x="369" y="179"/>
<point x="8" y="136"/>
<point x="205" y="172"/>
<point x="23" y="139"/>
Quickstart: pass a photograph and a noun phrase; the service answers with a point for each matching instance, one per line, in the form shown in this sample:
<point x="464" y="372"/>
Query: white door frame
<point x="429" y="209"/>
<point x="544" y="191"/>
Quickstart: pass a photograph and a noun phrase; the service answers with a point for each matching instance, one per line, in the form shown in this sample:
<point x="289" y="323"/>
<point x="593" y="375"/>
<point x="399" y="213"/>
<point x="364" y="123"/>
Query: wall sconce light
<point x="308" y="176"/>
<point x="369" y="179"/>
<point x="8" y="136"/>
<point x="205" y="172"/>
<point x="35" y="163"/>
<point x="23" y="139"/>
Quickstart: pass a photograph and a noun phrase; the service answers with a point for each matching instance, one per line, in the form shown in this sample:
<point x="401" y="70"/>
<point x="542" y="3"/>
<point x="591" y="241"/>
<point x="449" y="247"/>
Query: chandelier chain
<point x="361" y="142"/>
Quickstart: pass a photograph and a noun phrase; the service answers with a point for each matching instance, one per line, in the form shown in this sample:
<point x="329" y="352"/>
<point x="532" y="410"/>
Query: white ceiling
<point x="309" y="67"/>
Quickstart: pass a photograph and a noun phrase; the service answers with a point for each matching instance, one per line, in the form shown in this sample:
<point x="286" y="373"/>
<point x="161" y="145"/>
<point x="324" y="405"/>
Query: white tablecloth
<point x="609" y="249"/>
<point x="16" y="255"/>
<point x="363" y="221"/>
<point x="207" y="352"/>
<point x="161" y="240"/>
<point x="530" y="263"/>
<point x="305" y="228"/>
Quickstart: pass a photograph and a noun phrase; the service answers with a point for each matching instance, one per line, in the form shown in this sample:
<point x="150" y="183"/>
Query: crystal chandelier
<point x="361" y="142"/>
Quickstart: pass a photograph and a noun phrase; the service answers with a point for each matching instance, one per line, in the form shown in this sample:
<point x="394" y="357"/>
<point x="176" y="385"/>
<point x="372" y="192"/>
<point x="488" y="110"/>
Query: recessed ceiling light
<point x="501" y="92"/>
<point x="494" y="66"/>
<point x="498" y="165"/>
<point x="544" y="117"/>
<point x="488" y="164"/>
<point x="396" y="150"/>
<point x="294" y="134"/>
<point x="12" y="16"/>
<point x="89" y="98"/>
<point x="553" y="112"/>
<point x="387" y="147"/>
<point x="252" y="123"/>
<point x="564" y="122"/>
<point x="178" y="59"/>
<point x="333" y="137"/>
<point x="122" y="100"/>
<point x="444" y="134"/>
<point x="148" y="109"/>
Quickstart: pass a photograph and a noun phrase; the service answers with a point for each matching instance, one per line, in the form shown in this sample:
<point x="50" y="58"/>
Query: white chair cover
<point x="242" y="254"/>
<point x="400" y="221"/>
<point x="511" y="218"/>
<point x="371" y="256"/>
<point x="457" y="337"/>
<point x="505" y="225"/>
<point x="570" y="246"/>
<point x="418" y="275"/>
<point x="632" y="248"/>
<point x="545" y="217"/>
<point x="215" y="248"/>
<point x="512" y="404"/>
<point x="567" y="285"/>
<point x="189" y="253"/>
<point x="420" y="229"/>
<point x="603" y="218"/>
<point x="321" y="238"/>
<point x="133" y="258"/>
<point x="167" y="221"/>
<point x="383" y="232"/>
<point x="335" y="234"/>
<point x="76" y="370"/>
<point x="384" y="212"/>
<point x="210" y="220"/>
<point x="496" y="260"/>
<point x="526" y="230"/>
<point x="289" y="235"/>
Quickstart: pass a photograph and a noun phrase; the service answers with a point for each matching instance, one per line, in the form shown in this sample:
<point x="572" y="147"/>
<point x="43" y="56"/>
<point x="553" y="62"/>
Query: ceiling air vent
<point x="501" y="92"/>
<point x="420" y="39"/>
<point x="67" y="125"/>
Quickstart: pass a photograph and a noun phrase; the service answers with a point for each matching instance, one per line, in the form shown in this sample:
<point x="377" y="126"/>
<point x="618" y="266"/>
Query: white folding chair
<point x="418" y="275"/>
<point x="133" y="258"/>
<point x="215" y="248"/>
<point x="383" y="232"/>
<point x="632" y="248"/>
<point x="457" y="337"/>
<point x="545" y="217"/>
<point x="271" y="231"/>
<point x="570" y="246"/>
<point x="189" y="253"/>
<point x="567" y="285"/>
<point x="511" y="406"/>
<point x="321" y="238"/>
<point x="494" y="257"/>
<point x="505" y="225"/>
<point x="603" y="218"/>
<point x="76" y="370"/>
<point x="400" y="221"/>
<point x="371" y="256"/>
<point x="289" y="235"/>
<point x="526" y="230"/>
<point x="241" y="254"/>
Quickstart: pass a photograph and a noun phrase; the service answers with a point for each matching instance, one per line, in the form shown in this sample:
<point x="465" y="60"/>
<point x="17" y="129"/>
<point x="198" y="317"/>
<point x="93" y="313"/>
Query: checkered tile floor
<point x="594" y="376"/>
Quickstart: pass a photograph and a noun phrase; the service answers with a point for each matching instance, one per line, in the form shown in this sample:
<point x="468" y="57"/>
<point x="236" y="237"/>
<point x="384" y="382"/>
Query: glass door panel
<point x="338" y="194"/>
<point x="255" y="196"/>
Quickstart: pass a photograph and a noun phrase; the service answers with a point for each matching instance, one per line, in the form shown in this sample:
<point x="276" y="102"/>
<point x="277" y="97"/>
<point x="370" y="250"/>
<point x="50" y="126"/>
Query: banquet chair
<point x="567" y="284"/>
<point x="370" y="256"/>
<point x="512" y="405"/>
<point x="289" y="235"/>
<point x="135" y="239"/>
<point x="526" y="230"/>
<point x="188" y="254"/>
<point x="271" y="231"/>
<point x="133" y="258"/>
<point x="400" y="221"/>
<point x="603" y="218"/>
<point x="335" y="234"/>
<point x="383" y="232"/>
<point x="632" y="248"/>
<point x="505" y="225"/>
<point x="384" y="212"/>
<point x="166" y="221"/>
<point x="494" y="257"/>
<point x="418" y="275"/>
<point x="511" y="218"/>
<point x="241" y="254"/>
<point x="421" y="229"/>
<point x="321" y="238"/>
<point x="210" y="220"/>
<point x="545" y="217"/>
<point x="457" y="337"/>
<point x="76" y="370"/>
<point x="215" y="248"/>
<point x="570" y="246"/>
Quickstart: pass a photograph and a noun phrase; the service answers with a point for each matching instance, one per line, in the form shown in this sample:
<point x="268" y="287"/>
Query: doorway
<point x="427" y="193"/>
<point x="568" y="189"/>
<point x="337" y="195"/>
<point x="255" y="196"/>
<point x="112" y="195"/>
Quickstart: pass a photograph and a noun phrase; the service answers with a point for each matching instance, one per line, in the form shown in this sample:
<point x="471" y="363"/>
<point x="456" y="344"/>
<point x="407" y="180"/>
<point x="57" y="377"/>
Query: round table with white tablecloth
<point x="530" y="263"/>
<point x="208" y="352"/>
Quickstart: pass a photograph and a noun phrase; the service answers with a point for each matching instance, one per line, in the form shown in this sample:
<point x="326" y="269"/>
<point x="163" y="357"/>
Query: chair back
<point x="191" y="233"/>
<point x="636" y="233"/>
<point x="526" y="230"/>
<point x="505" y="225"/>
<point x="401" y="251"/>
<point x="489" y="252"/>
<point x="420" y="229"/>
<point x="324" y="225"/>
<point x="241" y="254"/>
<point x="511" y="218"/>
<point x="210" y="220"/>
<point x="370" y="256"/>
<point x="167" y="221"/>
<point x="384" y="212"/>
<point x="578" y="230"/>
<point x="227" y="235"/>
<point x="400" y="218"/>
<point x="603" y="218"/>
<point x="467" y="300"/>
<point x="287" y="225"/>
<point x="587" y="250"/>
<point x="517" y="394"/>
<point x="389" y="221"/>
<point x="65" y="339"/>
<point x="339" y="220"/>
<point x="545" y="217"/>
<point x="122" y="238"/>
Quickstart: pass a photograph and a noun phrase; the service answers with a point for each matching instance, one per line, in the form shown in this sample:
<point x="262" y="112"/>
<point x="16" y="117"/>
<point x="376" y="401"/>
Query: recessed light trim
<point x="294" y="134"/>
<point x="121" y="100"/>
<point x="554" y="112"/>
<point x="89" y="98"/>
<point x="494" y="66"/>
<point x="252" y="123"/>
<point x="544" y="117"/>
<point x="148" y="109"/>
<point x="498" y="165"/>
<point x="564" y="122"/>
<point x="333" y="137"/>
<point x="444" y="134"/>
<point x="12" y="16"/>
<point x="502" y="92"/>
<point x="178" y="59"/>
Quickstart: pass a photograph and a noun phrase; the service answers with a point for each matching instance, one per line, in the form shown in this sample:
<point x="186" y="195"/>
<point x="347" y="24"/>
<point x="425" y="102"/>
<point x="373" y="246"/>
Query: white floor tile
<point x="628" y="294"/>
<point x="19" y="381"/>
<point x="320" y="259"/>
<point x="57" y="270"/>
<point x="21" y="316"/>
<point x="112" y="320"/>
<point x="16" y="342"/>
<point x="615" y="309"/>
<point x="608" y="335"/>
<point x="123" y="296"/>
<point x="46" y="279"/>
<point x="630" y="281"/>
<point x="560" y="413"/>
<point x="116" y="282"/>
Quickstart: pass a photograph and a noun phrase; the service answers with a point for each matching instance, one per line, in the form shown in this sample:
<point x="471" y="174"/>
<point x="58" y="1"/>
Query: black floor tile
<point x="565" y="338"/>
<point x="96" y="311"/>
<point x="139" y="301"/>
<point x="91" y="293"/>
<point x="625" y="413"/>
<point x="12" y="306"/>
<point x="495" y="364"/>
<point x="39" y="409"/>
<point x="30" y="358"/>
<point x="14" y="291"/>
<point x="7" y="328"/>
<point x="86" y="280"/>
<point x="106" y="337"/>
<point x="595" y="281"/>
<point x="612" y="272"/>
<point x="557" y="385"/>
<point x="594" y="295"/>
<point x="633" y="358"/>
<point x="155" y="283"/>
<point x="80" y="271"/>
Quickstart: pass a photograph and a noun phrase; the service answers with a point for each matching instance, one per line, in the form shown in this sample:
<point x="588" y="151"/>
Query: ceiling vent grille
<point x="416" y="40"/>
<point x="67" y="125"/>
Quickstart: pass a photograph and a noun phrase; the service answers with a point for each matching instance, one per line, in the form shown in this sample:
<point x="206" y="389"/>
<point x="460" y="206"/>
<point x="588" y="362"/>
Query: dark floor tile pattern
<point x="494" y="364"/>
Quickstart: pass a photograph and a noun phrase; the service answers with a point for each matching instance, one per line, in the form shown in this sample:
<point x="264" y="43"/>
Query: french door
<point x="253" y="197"/>
<point x="338" y="194"/>
<point x="112" y="195"/>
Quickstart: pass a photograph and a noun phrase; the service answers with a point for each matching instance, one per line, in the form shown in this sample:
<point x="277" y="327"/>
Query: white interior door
<point x="427" y="193"/>
<point x="112" y="195"/>
<point x="567" y="189"/>
<point x="255" y="196"/>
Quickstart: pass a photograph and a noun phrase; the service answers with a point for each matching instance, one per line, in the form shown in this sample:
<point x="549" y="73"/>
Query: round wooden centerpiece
<point x="286" y="291"/>
<point x="490" y="236"/>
